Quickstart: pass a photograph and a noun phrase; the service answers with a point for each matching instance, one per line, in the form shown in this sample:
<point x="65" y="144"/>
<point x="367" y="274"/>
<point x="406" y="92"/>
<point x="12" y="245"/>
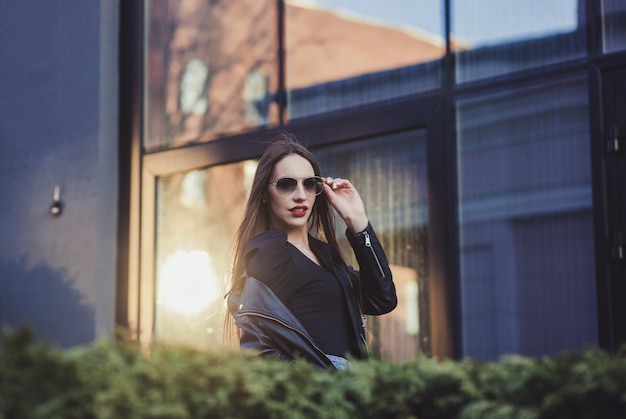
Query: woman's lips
<point x="298" y="211"/>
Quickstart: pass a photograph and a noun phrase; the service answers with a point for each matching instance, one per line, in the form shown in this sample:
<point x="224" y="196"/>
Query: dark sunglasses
<point x="312" y="185"/>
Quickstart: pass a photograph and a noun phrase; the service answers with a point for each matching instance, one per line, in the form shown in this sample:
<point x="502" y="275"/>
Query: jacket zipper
<point x="290" y="328"/>
<point x="368" y="244"/>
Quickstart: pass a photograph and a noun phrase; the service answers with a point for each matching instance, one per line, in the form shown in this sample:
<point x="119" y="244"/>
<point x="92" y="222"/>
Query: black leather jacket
<point x="270" y="328"/>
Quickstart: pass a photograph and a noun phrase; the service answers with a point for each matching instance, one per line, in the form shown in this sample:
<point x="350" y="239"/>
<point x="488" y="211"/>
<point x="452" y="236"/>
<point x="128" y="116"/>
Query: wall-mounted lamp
<point x="56" y="207"/>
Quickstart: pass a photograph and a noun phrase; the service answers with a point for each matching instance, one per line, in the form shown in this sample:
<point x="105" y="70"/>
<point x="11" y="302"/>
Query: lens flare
<point x="187" y="282"/>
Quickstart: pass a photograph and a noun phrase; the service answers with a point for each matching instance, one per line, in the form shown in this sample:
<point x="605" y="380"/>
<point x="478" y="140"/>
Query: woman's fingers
<point x="335" y="183"/>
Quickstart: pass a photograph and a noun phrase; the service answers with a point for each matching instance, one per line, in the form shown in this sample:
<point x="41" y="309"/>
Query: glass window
<point x="211" y="69"/>
<point x="496" y="37"/>
<point x="390" y="175"/>
<point x="346" y="53"/>
<point x="614" y="25"/>
<point x="526" y="222"/>
<point x="197" y="216"/>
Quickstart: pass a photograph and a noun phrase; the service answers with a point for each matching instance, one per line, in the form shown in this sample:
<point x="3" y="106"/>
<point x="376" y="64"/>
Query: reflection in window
<point x="257" y="96"/>
<point x="193" y="98"/>
<point x="614" y="25"/>
<point x="201" y="56"/>
<point x="197" y="215"/>
<point x="390" y="175"/>
<point x="496" y="37"/>
<point x="346" y="53"/>
<point x="526" y="222"/>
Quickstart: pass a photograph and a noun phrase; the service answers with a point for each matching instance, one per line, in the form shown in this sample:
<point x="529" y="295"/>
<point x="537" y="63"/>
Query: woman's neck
<point x="299" y="238"/>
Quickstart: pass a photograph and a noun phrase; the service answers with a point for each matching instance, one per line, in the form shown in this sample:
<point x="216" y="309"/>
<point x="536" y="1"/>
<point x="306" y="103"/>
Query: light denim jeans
<point x="339" y="362"/>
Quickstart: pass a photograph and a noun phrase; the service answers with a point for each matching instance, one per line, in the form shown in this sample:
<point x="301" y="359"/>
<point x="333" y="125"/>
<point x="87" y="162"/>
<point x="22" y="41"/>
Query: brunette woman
<point x="293" y="295"/>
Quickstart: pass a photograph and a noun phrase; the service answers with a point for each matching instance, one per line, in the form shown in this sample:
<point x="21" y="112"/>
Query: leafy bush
<point x="116" y="380"/>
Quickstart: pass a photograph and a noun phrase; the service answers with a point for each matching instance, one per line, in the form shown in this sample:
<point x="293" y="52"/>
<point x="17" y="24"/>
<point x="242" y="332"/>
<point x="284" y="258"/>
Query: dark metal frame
<point x="611" y="325"/>
<point x="130" y="95"/>
<point x="610" y="329"/>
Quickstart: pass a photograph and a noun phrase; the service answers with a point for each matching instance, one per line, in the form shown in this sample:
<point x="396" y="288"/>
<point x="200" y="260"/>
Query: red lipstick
<point x="299" y="211"/>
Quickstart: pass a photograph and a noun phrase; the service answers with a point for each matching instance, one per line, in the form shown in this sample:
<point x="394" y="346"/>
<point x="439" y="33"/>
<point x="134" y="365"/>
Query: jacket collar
<point x="323" y="251"/>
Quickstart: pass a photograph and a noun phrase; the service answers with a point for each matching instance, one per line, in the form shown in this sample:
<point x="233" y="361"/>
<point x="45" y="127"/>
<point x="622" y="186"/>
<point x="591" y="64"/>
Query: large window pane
<point x="346" y="53"/>
<point x="197" y="215"/>
<point x="525" y="211"/>
<point x="390" y="175"/>
<point x="495" y="37"/>
<point x="210" y="69"/>
<point x="614" y="25"/>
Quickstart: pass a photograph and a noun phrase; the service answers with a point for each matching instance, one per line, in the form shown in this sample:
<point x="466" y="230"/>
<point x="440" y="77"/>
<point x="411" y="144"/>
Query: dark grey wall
<point x="58" y="126"/>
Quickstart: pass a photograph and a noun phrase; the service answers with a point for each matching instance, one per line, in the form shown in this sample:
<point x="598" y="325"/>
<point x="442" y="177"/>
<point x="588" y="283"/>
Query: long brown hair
<point x="256" y="219"/>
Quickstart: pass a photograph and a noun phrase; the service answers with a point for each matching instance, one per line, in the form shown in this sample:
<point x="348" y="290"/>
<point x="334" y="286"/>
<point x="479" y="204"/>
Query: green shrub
<point x="588" y="384"/>
<point x="117" y="380"/>
<point x="37" y="380"/>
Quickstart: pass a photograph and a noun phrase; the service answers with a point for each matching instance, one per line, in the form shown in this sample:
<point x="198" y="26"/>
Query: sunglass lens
<point x="286" y="185"/>
<point x="313" y="185"/>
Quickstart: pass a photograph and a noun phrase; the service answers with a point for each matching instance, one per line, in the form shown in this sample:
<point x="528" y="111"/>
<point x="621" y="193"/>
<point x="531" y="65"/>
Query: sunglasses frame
<point x="287" y="192"/>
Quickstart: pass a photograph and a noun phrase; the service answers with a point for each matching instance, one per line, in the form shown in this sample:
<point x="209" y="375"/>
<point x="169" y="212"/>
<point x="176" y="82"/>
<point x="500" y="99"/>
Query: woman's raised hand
<point x="344" y="197"/>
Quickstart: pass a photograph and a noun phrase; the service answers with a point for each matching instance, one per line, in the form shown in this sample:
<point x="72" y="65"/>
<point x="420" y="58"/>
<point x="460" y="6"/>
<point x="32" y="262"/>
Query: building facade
<point x="487" y="141"/>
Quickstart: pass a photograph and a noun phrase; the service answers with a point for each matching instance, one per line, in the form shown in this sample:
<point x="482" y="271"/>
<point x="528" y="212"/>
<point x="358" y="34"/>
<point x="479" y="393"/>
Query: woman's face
<point x="290" y="211"/>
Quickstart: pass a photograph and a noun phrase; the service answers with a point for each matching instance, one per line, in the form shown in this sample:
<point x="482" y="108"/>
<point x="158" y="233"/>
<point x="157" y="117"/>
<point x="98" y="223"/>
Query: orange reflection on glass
<point x="399" y="330"/>
<point x="211" y="69"/>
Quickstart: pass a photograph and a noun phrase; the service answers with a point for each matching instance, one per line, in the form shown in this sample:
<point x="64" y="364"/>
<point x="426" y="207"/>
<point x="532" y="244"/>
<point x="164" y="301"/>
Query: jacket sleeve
<point x="376" y="287"/>
<point x="269" y="328"/>
<point x="254" y="339"/>
<point x="277" y="343"/>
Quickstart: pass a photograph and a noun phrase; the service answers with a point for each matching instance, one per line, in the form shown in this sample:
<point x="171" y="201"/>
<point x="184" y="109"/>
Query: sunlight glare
<point x="187" y="282"/>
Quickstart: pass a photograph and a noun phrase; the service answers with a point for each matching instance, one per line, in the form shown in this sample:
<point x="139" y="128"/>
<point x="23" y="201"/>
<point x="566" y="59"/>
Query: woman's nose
<point x="299" y="193"/>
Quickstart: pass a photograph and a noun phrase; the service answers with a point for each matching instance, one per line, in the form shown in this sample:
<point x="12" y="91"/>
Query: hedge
<point x="111" y="379"/>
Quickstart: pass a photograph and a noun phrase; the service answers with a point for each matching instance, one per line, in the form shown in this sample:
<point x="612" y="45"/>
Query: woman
<point x="293" y="295"/>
